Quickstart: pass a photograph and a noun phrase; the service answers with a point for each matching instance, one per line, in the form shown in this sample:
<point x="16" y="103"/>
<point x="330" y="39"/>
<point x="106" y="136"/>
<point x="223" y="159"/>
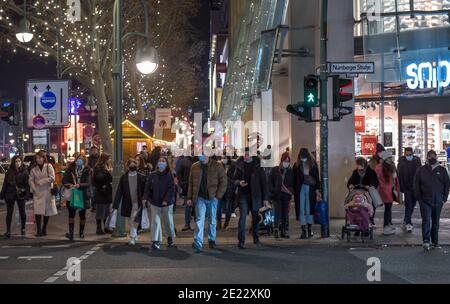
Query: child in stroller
<point x="358" y="211"/>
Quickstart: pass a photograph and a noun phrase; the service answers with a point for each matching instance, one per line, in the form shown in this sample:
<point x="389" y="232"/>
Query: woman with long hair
<point x="388" y="185"/>
<point x="77" y="176"/>
<point x="307" y="189"/>
<point x="41" y="180"/>
<point x="102" y="180"/>
<point x="15" y="189"/>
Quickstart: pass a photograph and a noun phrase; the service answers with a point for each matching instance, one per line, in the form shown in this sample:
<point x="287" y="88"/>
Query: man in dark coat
<point x="407" y="168"/>
<point x="431" y="186"/>
<point x="183" y="172"/>
<point x="252" y="194"/>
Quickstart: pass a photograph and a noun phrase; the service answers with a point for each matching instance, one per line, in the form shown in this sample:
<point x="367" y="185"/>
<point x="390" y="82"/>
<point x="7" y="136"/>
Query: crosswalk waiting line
<point x="64" y="270"/>
<point x="34" y="257"/>
<point x="4" y="257"/>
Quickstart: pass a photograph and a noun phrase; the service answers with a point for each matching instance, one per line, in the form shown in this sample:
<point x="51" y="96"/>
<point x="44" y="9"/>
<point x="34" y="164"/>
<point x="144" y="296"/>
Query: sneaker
<point x="186" y="228"/>
<point x="212" y="244"/>
<point x="426" y="246"/>
<point x="196" y="249"/>
<point x="409" y="228"/>
<point x="155" y="246"/>
<point x="233" y="215"/>
<point x="388" y="230"/>
<point x="241" y="246"/>
<point x="7" y="235"/>
<point x="170" y="243"/>
<point x="132" y="242"/>
<point x="223" y="216"/>
<point x="436" y="246"/>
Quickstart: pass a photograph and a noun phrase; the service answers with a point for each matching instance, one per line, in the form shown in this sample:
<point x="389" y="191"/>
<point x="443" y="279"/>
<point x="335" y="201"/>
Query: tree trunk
<point x="103" y="114"/>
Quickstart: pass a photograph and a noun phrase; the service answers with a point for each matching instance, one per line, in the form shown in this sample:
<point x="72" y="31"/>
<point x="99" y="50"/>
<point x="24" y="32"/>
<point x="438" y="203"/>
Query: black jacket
<point x="123" y="194"/>
<point x="102" y="181"/>
<point x="92" y="161"/>
<point x="275" y="183"/>
<point x="369" y="179"/>
<point x="85" y="182"/>
<point x="15" y="186"/>
<point x="259" y="189"/>
<point x="299" y="178"/>
<point x="183" y="174"/>
<point x="428" y="182"/>
<point x="406" y="172"/>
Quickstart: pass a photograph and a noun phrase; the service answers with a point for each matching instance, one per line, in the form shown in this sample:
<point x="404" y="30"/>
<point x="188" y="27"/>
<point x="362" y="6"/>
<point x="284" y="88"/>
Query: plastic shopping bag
<point x="76" y="200"/>
<point x="376" y="198"/>
<point x="145" y="221"/>
<point x="111" y="220"/>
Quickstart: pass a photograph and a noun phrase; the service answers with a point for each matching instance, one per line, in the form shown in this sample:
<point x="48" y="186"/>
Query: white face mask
<point x="224" y="161"/>
<point x="304" y="160"/>
<point x="286" y="165"/>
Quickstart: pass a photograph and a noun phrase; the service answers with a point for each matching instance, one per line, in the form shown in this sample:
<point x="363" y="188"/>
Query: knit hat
<point x="385" y="155"/>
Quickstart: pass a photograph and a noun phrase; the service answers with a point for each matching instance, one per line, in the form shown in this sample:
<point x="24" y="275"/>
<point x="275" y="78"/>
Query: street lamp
<point x="91" y="105"/>
<point x="146" y="62"/>
<point x="24" y="34"/>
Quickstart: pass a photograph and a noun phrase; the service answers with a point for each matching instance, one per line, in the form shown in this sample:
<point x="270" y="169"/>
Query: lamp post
<point x="146" y="63"/>
<point x="23" y="33"/>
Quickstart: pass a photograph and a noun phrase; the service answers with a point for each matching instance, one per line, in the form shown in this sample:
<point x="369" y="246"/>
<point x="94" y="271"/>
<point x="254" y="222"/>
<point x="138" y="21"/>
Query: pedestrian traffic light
<point x="7" y="112"/>
<point x="311" y="90"/>
<point x="301" y="110"/>
<point x="340" y="96"/>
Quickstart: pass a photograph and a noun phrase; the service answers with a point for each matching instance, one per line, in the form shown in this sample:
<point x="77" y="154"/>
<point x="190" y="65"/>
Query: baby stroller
<point x="358" y="210"/>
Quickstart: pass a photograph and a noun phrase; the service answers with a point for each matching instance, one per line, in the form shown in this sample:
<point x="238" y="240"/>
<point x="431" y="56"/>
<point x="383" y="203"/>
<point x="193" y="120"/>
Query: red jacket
<point x="386" y="186"/>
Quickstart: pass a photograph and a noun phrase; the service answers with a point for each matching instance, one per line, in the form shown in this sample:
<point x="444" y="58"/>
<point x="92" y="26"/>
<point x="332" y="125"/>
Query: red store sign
<point x="360" y="124"/>
<point x="369" y="144"/>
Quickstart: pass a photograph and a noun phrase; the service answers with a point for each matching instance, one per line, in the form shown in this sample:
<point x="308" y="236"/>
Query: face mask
<point x="132" y="168"/>
<point x="409" y="158"/>
<point x="224" y="161"/>
<point x="162" y="166"/>
<point x="286" y="165"/>
<point x="202" y="158"/>
<point x="79" y="162"/>
<point x="304" y="160"/>
<point x="432" y="161"/>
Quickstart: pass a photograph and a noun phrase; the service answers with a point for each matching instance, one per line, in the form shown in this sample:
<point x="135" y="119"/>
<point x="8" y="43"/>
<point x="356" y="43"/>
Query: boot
<point x="69" y="235"/>
<point x="99" y="228"/>
<point x="38" y="219"/>
<point x="226" y="224"/>
<point x="106" y="229"/>
<point x="310" y="233"/>
<point x="284" y="233"/>
<point x="44" y="228"/>
<point x="276" y="233"/>
<point x="303" y="236"/>
<point x="82" y="224"/>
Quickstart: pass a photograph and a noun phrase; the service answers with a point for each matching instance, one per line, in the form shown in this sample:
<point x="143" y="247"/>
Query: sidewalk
<point x="58" y="227"/>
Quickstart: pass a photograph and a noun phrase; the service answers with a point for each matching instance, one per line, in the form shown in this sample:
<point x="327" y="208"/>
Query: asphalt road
<point x="32" y="261"/>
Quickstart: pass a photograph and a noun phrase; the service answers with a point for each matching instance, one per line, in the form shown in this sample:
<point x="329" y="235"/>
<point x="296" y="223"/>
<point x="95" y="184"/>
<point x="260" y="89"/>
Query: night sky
<point x="16" y="69"/>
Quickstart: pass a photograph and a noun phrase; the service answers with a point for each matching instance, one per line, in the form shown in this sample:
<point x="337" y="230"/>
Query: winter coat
<point x="216" y="180"/>
<point x="123" y="194"/>
<point x="92" y="161"/>
<point x="230" y="193"/>
<point x="275" y="183"/>
<point x="102" y="181"/>
<point x="159" y="188"/>
<point x="386" y="187"/>
<point x="41" y="183"/>
<point x="259" y="191"/>
<point x="429" y="182"/>
<point x="299" y="179"/>
<point x="370" y="178"/>
<point x="15" y="185"/>
<point x="406" y="172"/>
<point x="184" y="169"/>
<point x="70" y="177"/>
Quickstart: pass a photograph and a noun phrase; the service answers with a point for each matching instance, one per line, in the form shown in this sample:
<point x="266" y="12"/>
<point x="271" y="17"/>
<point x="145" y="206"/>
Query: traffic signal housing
<point x="311" y="90"/>
<point x="301" y="110"/>
<point x="8" y="111"/>
<point x="340" y="96"/>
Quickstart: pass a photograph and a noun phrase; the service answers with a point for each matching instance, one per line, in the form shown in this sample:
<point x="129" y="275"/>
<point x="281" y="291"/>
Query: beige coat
<point x="41" y="182"/>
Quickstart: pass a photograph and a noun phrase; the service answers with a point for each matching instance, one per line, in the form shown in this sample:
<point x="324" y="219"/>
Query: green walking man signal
<point x="311" y="89"/>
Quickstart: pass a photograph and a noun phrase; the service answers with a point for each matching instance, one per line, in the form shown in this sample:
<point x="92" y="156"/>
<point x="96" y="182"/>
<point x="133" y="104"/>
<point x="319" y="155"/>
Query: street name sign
<point x="352" y="67"/>
<point x="47" y="99"/>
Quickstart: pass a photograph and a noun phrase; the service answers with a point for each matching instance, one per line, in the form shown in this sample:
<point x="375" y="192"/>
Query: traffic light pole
<point x="324" y="108"/>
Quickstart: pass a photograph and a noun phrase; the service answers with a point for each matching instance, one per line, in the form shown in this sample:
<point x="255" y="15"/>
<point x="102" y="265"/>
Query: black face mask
<point x="132" y="168"/>
<point x="432" y="161"/>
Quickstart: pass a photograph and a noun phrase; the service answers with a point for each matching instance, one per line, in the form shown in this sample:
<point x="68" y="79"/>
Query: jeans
<point x="281" y="214"/>
<point x="305" y="208"/>
<point x="410" y="203"/>
<point x="387" y="214"/>
<point x="205" y="209"/>
<point x="243" y="210"/>
<point x="224" y="207"/>
<point x="431" y="214"/>
<point x="10" y="212"/>
<point x="166" y="213"/>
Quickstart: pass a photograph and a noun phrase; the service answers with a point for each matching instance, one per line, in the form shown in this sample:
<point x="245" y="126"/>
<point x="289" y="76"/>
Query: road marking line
<point x="56" y="246"/>
<point x="51" y="280"/>
<point x="4" y="257"/>
<point x="29" y="258"/>
<point x="18" y="246"/>
<point x="64" y="270"/>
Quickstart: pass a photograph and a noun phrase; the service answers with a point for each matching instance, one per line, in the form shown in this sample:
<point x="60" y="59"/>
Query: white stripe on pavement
<point x="56" y="246"/>
<point x="4" y="257"/>
<point x="18" y="246"/>
<point x="64" y="270"/>
<point x="29" y="258"/>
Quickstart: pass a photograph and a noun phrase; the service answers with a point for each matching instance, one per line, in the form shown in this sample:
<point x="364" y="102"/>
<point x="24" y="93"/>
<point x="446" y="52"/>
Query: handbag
<point x="376" y="198"/>
<point x="111" y="220"/>
<point x="76" y="200"/>
<point x="54" y="188"/>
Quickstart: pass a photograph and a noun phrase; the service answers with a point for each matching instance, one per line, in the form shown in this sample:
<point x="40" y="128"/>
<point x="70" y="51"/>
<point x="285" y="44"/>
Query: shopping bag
<point x="67" y="194"/>
<point x="376" y="198"/>
<point x="145" y="221"/>
<point x="76" y="199"/>
<point x="111" y="220"/>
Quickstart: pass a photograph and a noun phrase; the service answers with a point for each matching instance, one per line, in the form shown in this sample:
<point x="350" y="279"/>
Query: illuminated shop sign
<point x="428" y="75"/>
